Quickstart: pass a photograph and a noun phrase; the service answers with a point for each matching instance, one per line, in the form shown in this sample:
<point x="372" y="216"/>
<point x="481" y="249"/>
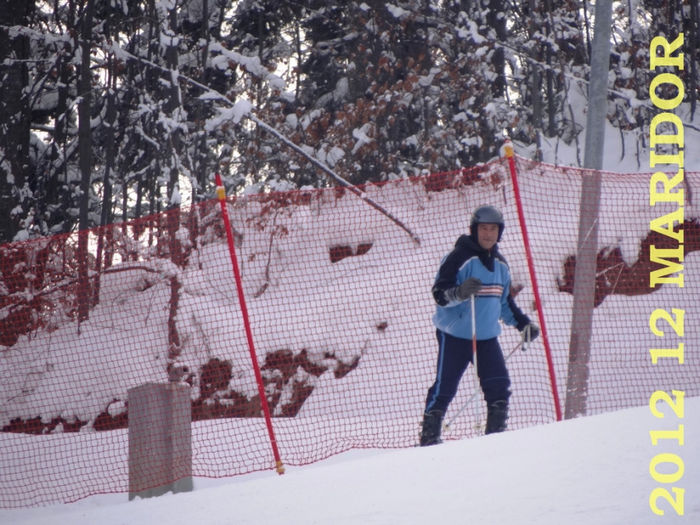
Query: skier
<point x="473" y="267"/>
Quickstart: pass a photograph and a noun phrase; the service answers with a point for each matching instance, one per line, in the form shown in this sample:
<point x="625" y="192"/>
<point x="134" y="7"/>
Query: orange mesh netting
<point x="340" y="311"/>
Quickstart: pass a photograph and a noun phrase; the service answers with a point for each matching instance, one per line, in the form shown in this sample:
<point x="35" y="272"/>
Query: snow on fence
<point x="339" y="304"/>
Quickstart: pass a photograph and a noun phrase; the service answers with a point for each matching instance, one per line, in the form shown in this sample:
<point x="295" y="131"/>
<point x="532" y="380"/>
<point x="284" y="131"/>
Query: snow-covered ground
<point x="588" y="471"/>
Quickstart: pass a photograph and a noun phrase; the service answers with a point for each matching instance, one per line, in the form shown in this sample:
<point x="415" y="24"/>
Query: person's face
<point x="487" y="235"/>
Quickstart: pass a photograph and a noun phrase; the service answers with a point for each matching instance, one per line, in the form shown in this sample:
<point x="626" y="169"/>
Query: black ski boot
<point x="497" y="416"/>
<point x="432" y="426"/>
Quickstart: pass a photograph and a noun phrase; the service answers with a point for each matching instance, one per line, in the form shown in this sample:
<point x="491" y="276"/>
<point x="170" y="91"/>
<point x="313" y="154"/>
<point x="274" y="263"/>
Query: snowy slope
<point x="210" y="302"/>
<point x="343" y="303"/>
<point x="586" y="471"/>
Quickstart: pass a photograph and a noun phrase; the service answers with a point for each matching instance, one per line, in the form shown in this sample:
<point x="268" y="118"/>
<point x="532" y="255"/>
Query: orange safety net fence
<point x="340" y="311"/>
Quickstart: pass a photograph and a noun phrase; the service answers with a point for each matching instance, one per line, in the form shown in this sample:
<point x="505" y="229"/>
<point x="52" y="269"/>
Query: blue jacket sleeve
<point x="510" y="312"/>
<point x="447" y="277"/>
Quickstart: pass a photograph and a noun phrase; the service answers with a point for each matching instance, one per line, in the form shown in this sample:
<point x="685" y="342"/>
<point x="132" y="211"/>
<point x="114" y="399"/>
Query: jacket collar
<point x="470" y="244"/>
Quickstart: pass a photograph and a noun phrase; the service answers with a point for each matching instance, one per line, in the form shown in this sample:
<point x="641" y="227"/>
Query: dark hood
<point x="487" y="257"/>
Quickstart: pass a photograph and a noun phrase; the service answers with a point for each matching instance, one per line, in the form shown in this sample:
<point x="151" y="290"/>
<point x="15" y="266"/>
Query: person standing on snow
<point x="473" y="268"/>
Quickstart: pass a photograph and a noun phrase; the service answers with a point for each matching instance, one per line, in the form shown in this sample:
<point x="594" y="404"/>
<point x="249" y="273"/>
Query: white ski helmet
<point x="487" y="215"/>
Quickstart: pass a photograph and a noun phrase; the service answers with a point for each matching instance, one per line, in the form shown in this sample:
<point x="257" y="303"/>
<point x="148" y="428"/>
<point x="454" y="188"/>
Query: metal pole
<point x="221" y="194"/>
<point x="587" y="248"/>
<point x="533" y="278"/>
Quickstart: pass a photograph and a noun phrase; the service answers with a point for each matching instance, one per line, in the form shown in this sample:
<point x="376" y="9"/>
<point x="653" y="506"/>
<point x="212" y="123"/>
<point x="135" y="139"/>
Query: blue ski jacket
<point x="492" y="302"/>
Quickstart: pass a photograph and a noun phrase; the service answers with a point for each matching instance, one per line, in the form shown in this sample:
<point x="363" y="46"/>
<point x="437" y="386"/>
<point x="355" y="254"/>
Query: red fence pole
<point x="221" y="194"/>
<point x="533" y="278"/>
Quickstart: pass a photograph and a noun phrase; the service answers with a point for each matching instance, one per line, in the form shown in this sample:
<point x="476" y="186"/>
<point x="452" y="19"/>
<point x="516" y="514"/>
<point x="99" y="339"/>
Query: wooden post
<point x="160" y="439"/>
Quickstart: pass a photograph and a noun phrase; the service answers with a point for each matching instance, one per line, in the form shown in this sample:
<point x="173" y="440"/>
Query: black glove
<point x="468" y="288"/>
<point x="530" y="332"/>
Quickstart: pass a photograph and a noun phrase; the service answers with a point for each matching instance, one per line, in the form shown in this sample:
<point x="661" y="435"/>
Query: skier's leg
<point x="453" y="357"/>
<point x="495" y="383"/>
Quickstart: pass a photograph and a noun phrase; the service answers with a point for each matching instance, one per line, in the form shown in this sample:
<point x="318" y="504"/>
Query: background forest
<point x="115" y="109"/>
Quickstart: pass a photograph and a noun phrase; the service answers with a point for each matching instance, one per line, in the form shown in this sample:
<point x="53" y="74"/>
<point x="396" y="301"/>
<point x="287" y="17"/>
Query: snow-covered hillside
<point x="371" y="310"/>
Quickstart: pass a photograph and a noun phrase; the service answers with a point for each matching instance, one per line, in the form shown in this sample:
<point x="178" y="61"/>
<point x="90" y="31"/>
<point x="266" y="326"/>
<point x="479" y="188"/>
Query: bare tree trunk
<point x="170" y="156"/>
<point x="551" y="91"/>
<point x="106" y="216"/>
<point x="172" y="151"/>
<point x="536" y="76"/>
<point x="58" y="174"/>
<point x="85" y="161"/>
<point x="497" y="20"/>
<point x="14" y="113"/>
<point x="201" y="169"/>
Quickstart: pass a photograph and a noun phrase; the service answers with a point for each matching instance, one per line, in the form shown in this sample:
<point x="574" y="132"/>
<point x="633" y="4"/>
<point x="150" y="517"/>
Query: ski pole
<point x="474" y="356"/>
<point x="526" y="339"/>
<point x="476" y="369"/>
<point x="447" y="425"/>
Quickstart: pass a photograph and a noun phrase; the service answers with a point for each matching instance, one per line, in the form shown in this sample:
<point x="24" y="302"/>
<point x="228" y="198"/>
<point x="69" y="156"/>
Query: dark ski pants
<point x="454" y="356"/>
